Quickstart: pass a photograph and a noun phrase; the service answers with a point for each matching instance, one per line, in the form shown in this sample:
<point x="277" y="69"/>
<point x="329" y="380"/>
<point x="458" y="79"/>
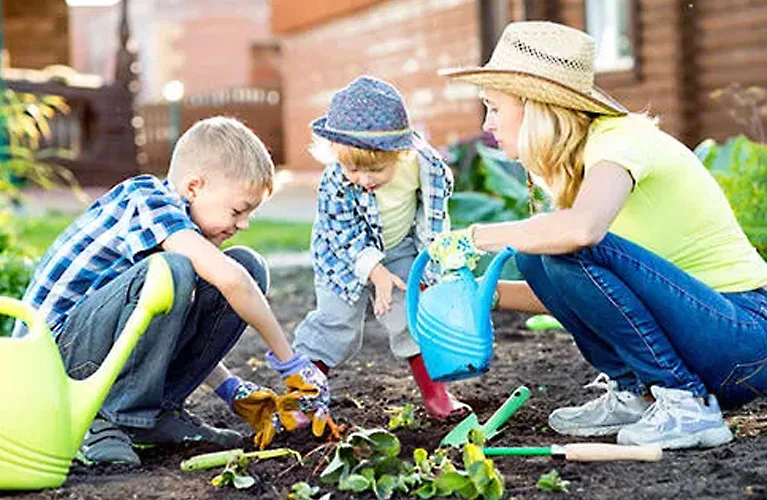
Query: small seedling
<point x="401" y="417"/>
<point x="552" y="481"/>
<point x="305" y="491"/>
<point x="234" y="474"/>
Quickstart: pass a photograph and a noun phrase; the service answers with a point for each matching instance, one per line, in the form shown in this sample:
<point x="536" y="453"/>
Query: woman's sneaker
<point x="603" y="416"/>
<point x="678" y="420"/>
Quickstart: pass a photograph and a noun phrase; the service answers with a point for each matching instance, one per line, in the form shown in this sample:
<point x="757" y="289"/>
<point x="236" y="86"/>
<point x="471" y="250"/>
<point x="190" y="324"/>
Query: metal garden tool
<point x="45" y="414"/>
<point x="584" y="452"/>
<point x="451" y="321"/>
<point x="460" y="434"/>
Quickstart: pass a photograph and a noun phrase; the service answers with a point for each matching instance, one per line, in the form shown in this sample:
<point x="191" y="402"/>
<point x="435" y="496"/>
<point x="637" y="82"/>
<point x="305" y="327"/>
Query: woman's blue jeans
<point x="176" y="352"/>
<point x="643" y="321"/>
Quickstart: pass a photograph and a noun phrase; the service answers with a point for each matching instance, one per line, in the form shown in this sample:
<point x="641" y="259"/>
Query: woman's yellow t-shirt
<point x="676" y="208"/>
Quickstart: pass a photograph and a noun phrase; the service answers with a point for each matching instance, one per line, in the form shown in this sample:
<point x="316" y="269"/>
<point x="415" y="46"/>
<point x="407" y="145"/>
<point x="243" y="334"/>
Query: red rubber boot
<point x="439" y="403"/>
<point x="322" y="366"/>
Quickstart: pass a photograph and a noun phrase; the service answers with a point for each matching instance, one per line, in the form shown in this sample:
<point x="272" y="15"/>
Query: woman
<point x="642" y="260"/>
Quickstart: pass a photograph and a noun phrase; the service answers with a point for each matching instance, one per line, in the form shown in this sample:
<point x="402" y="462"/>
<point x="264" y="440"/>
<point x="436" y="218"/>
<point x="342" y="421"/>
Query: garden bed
<point x="546" y="362"/>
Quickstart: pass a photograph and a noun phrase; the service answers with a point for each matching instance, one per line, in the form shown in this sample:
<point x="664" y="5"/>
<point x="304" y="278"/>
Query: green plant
<point x="368" y="460"/>
<point x="401" y="417"/>
<point x="551" y="481"/>
<point x="740" y="167"/>
<point x="16" y="267"/>
<point x="24" y="130"/>
<point x="304" y="491"/>
<point x="488" y="187"/>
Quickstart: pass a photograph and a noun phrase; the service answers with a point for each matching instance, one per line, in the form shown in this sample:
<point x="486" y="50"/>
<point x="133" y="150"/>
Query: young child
<point x="383" y="196"/>
<point x="89" y="281"/>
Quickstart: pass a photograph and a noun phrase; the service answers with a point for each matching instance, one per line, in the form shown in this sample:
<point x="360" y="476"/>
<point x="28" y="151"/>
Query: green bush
<point x="15" y="269"/>
<point x="740" y="167"/>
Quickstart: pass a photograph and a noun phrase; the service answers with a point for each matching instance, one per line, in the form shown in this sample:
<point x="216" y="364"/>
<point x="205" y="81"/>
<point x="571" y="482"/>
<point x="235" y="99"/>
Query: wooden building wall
<point x="731" y="47"/>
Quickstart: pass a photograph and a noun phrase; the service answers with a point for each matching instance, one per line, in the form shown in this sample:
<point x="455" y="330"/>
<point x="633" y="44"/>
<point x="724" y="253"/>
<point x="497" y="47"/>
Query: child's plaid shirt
<point x="116" y="231"/>
<point x="346" y="237"/>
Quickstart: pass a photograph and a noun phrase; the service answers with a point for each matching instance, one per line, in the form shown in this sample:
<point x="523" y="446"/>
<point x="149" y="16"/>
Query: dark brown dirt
<point x="548" y="363"/>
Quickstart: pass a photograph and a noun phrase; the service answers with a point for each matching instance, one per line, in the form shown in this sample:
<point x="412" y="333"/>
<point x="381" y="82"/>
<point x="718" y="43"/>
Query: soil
<point x="546" y="362"/>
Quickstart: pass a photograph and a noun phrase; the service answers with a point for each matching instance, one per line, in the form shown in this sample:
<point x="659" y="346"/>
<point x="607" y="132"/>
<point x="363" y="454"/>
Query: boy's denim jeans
<point x="177" y="351"/>
<point x="643" y="321"/>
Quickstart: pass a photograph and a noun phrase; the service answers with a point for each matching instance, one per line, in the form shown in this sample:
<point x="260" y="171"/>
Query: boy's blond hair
<point x="223" y="146"/>
<point x="367" y="160"/>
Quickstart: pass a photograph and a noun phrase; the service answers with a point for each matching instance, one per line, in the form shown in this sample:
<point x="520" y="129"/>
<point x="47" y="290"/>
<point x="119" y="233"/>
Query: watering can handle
<point x="23" y="311"/>
<point x="413" y="291"/>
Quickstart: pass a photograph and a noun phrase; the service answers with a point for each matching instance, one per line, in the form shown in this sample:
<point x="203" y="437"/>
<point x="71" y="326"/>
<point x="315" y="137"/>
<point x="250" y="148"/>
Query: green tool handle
<point x="507" y="409"/>
<point x="517" y="452"/>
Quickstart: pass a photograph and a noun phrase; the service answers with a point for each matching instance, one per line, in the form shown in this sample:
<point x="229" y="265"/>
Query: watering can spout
<point x="489" y="284"/>
<point x="86" y="396"/>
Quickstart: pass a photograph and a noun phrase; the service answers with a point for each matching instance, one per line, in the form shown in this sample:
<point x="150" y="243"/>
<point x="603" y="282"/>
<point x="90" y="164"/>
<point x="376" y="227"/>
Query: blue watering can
<point x="450" y="320"/>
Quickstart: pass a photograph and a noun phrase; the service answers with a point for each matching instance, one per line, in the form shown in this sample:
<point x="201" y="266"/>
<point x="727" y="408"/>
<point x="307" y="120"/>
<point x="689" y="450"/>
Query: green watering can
<point x="44" y="413"/>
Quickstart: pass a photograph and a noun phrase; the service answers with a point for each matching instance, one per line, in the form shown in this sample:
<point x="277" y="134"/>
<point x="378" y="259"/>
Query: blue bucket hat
<point x="368" y="114"/>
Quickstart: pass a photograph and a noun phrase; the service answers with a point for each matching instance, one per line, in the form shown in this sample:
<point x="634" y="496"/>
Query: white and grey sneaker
<point x="603" y="416"/>
<point x="678" y="420"/>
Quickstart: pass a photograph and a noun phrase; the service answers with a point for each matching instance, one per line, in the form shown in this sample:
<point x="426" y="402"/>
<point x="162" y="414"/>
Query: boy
<point x="88" y="283"/>
<point x="382" y="197"/>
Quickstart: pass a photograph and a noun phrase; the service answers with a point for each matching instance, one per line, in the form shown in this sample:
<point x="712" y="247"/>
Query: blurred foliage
<point x="24" y="130"/>
<point x="488" y="186"/>
<point x="740" y="167"/>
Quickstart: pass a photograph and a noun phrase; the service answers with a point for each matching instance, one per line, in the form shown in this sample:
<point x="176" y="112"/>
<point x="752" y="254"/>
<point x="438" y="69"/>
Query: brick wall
<point x="36" y="32"/>
<point x="402" y="41"/>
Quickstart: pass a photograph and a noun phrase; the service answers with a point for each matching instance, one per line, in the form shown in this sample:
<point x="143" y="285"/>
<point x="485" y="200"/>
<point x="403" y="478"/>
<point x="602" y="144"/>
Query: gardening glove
<point x="307" y="396"/>
<point x="455" y="249"/>
<point x="255" y="404"/>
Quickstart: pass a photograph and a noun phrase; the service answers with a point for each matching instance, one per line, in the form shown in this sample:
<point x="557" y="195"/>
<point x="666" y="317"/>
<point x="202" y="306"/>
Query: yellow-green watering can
<point x="43" y="413"/>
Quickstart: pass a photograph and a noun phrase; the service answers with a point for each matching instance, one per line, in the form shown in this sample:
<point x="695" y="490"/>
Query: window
<point x="610" y="23"/>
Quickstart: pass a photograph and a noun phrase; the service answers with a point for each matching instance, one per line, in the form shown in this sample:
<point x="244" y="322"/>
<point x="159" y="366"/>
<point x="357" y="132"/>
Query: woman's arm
<point x="602" y="194"/>
<point x="518" y="296"/>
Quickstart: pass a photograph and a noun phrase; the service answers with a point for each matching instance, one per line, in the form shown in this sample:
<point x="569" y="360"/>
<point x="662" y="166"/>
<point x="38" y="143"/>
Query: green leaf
<point x="552" y="482"/>
<point x="385" y="486"/>
<point x="451" y="481"/>
<point x="243" y="482"/>
<point x="468" y="207"/>
<point x="353" y="482"/>
<point x="342" y="462"/>
<point x="706" y="151"/>
<point x="428" y="490"/>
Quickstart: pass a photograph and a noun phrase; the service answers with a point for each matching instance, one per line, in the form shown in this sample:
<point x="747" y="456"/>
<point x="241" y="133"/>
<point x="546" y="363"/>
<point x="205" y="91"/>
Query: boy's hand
<point x="255" y="404"/>
<point x="384" y="282"/>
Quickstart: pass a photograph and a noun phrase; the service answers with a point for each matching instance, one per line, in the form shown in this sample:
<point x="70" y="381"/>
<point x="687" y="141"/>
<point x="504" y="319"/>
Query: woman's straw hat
<point x="545" y="62"/>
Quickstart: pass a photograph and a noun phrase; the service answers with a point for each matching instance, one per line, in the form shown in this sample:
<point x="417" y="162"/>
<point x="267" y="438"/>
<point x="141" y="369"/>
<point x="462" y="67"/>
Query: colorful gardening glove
<point x="455" y="249"/>
<point x="307" y="396"/>
<point x="255" y="404"/>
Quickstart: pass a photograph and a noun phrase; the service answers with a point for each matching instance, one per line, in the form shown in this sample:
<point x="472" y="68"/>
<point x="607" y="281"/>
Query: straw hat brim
<point x="384" y="141"/>
<point x="538" y="88"/>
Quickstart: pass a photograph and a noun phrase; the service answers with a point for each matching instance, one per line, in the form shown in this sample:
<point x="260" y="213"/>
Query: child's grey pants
<point x="332" y="333"/>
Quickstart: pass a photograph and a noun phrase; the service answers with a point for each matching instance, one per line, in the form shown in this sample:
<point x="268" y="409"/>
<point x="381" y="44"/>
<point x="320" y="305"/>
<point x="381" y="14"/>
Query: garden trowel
<point x="460" y="434"/>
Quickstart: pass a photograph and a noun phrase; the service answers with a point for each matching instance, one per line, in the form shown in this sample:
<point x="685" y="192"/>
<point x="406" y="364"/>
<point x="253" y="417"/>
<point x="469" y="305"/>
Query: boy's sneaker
<point x="603" y="416"/>
<point x="107" y="443"/>
<point x="180" y="426"/>
<point x="678" y="420"/>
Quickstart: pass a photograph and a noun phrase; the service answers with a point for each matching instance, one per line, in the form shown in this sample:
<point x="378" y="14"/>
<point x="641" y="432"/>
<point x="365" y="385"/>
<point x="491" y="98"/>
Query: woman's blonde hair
<point x="550" y="143"/>
<point x="368" y="160"/>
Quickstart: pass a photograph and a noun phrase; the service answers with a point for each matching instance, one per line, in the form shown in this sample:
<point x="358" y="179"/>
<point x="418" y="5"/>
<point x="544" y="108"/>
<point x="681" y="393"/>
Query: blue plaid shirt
<point x="115" y="232"/>
<point x="348" y="225"/>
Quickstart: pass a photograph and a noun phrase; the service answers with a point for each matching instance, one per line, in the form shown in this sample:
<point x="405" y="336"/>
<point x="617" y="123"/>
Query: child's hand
<point x="256" y="405"/>
<point x="300" y="372"/>
<point x="384" y="281"/>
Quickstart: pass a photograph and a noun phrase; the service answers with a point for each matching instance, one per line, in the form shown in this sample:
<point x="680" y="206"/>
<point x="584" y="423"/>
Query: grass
<point x="265" y="236"/>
